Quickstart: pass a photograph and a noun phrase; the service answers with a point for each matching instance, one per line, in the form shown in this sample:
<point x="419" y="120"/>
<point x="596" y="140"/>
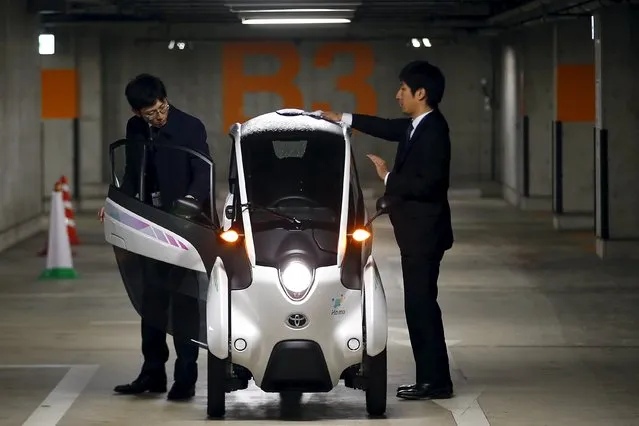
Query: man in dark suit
<point x="170" y="174"/>
<point x="420" y="214"/>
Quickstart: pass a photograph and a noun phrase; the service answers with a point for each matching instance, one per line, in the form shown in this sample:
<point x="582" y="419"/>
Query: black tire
<point x="290" y="404"/>
<point x="375" y="369"/>
<point x="216" y="386"/>
<point x="290" y="397"/>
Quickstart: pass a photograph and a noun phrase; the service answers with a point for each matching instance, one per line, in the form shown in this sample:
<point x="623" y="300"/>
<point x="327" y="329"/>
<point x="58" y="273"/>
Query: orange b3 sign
<point x="236" y="81"/>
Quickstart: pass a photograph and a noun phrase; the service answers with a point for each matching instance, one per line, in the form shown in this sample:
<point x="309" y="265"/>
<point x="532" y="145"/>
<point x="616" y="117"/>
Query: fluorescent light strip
<point x="288" y="21"/>
<point x="290" y="10"/>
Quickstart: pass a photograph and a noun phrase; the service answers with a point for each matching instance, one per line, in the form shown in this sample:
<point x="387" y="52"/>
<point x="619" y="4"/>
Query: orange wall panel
<point x="575" y="93"/>
<point x="59" y="93"/>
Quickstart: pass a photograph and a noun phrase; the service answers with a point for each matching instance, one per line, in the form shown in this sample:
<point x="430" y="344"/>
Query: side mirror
<point x="186" y="208"/>
<point x="229" y="212"/>
<point x="382" y="205"/>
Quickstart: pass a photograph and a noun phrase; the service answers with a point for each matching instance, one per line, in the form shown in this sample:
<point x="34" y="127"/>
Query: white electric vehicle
<point x="285" y="291"/>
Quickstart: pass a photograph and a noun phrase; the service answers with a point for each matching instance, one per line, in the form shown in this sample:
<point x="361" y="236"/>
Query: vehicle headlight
<point x="296" y="277"/>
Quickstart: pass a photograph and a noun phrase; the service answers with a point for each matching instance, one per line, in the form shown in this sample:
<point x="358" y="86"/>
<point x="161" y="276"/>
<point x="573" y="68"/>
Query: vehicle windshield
<point x="294" y="173"/>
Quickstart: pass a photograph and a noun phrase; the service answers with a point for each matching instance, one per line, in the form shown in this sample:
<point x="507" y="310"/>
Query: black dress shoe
<point x="412" y="385"/>
<point x="145" y="383"/>
<point x="405" y="387"/>
<point x="181" y="392"/>
<point x="425" y="391"/>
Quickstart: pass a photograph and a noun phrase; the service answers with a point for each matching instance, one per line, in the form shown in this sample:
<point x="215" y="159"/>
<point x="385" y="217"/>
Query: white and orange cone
<point x="59" y="261"/>
<point x="69" y="216"/>
<point x="68" y="212"/>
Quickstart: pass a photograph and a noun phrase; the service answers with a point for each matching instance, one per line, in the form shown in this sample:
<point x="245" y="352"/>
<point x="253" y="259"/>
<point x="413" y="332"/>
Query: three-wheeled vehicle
<point x="285" y="291"/>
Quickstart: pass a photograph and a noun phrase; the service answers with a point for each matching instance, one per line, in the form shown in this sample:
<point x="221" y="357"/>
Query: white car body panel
<point x="376" y="315"/>
<point x="217" y="312"/>
<point x="131" y="232"/>
<point x="334" y="313"/>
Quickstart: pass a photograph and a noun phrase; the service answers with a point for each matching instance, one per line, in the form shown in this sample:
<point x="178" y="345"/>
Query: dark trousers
<point x="166" y="308"/>
<point x="424" y="318"/>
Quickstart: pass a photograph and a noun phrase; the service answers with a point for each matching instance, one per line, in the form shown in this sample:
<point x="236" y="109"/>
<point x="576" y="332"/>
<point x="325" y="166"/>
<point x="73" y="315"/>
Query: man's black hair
<point x="144" y="90"/>
<point x="422" y="74"/>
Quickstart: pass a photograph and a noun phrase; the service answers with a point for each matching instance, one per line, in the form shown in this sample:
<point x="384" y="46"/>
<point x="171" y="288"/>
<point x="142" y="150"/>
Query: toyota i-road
<point x="284" y="290"/>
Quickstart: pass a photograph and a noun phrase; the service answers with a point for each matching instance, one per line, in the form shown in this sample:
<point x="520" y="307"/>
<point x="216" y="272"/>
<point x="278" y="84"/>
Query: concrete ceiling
<point x="369" y="18"/>
<point x="232" y="11"/>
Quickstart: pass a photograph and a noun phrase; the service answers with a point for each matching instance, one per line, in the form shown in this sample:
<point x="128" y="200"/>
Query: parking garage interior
<point x="539" y="292"/>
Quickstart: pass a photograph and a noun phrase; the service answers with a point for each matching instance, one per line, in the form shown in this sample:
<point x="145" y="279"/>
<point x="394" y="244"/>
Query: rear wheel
<point x="216" y="392"/>
<point x="290" y="403"/>
<point x="375" y="368"/>
<point x="290" y="397"/>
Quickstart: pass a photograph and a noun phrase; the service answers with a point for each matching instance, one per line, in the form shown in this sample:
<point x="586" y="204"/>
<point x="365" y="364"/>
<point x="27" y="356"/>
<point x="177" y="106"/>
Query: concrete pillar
<point x="89" y="67"/>
<point x="617" y="129"/>
<point x="57" y="125"/>
<point x="572" y="126"/>
<point x="538" y="113"/>
<point x="509" y="118"/>
<point x="82" y="164"/>
<point x="20" y="144"/>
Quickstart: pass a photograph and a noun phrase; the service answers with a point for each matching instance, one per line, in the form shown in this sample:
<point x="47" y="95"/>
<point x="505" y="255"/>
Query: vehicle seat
<point x="323" y="177"/>
<point x="288" y="175"/>
<point x="259" y="174"/>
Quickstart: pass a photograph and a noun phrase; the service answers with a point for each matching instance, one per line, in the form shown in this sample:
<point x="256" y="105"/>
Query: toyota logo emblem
<point x="297" y="321"/>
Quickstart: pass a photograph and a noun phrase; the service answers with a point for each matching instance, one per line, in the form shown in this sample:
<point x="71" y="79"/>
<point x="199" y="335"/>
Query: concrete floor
<point x="541" y="332"/>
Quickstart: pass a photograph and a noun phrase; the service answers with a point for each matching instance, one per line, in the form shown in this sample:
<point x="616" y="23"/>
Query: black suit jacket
<point x="418" y="183"/>
<point x="178" y="172"/>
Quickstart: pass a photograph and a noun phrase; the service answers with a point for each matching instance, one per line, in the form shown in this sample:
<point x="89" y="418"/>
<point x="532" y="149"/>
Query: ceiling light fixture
<point x="181" y="45"/>
<point x="46" y="44"/>
<point x="290" y="10"/>
<point x="417" y="43"/>
<point x="299" y="21"/>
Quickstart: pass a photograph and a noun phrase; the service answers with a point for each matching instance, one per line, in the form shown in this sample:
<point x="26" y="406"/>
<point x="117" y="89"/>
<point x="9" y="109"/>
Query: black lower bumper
<point x="297" y="365"/>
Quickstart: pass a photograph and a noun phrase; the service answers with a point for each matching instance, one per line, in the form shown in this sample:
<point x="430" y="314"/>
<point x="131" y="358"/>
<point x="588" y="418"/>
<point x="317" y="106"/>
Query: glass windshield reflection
<point x="294" y="173"/>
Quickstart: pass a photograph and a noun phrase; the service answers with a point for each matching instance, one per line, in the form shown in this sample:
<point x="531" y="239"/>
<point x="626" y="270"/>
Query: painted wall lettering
<point x="357" y="81"/>
<point x="237" y="81"/>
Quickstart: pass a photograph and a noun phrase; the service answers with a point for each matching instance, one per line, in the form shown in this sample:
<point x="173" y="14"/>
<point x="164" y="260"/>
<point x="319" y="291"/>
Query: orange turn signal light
<point x="361" y="235"/>
<point x="230" y="236"/>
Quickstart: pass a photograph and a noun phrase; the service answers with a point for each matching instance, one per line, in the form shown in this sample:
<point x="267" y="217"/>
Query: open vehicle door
<point x="166" y="252"/>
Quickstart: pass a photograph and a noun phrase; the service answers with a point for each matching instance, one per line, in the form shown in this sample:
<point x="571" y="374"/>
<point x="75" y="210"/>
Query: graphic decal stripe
<point x="160" y="235"/>
<point x="142" y="226"/>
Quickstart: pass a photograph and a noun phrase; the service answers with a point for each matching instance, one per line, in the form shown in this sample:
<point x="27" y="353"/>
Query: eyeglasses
<point x="161" y="110"/>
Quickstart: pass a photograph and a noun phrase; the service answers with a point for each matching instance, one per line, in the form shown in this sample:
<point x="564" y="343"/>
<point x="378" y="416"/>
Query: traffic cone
<point x="68" y="212"/>
<point x="59" y="261"/>
<point x="43" y="252"/>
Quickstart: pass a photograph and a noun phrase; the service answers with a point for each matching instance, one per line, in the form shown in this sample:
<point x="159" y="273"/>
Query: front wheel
<point x="216" y="386"/>
<point x="375" y="370"/>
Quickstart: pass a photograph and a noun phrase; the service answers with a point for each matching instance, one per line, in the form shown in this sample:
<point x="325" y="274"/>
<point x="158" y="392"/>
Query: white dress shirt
<point x="348" y="119"/>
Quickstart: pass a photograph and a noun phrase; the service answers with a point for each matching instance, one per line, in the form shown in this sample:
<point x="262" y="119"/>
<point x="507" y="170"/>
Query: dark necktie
<point x="410" y="129"/>
<point x="403" y="147"/>
<point x="152" y="184"/>
<point x="154" y="132"/>
<point x="407" y="139"/>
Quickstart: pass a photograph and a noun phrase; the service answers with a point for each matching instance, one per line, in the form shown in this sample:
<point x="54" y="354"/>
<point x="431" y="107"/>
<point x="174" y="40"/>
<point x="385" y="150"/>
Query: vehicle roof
<point x="290" y="120"/>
